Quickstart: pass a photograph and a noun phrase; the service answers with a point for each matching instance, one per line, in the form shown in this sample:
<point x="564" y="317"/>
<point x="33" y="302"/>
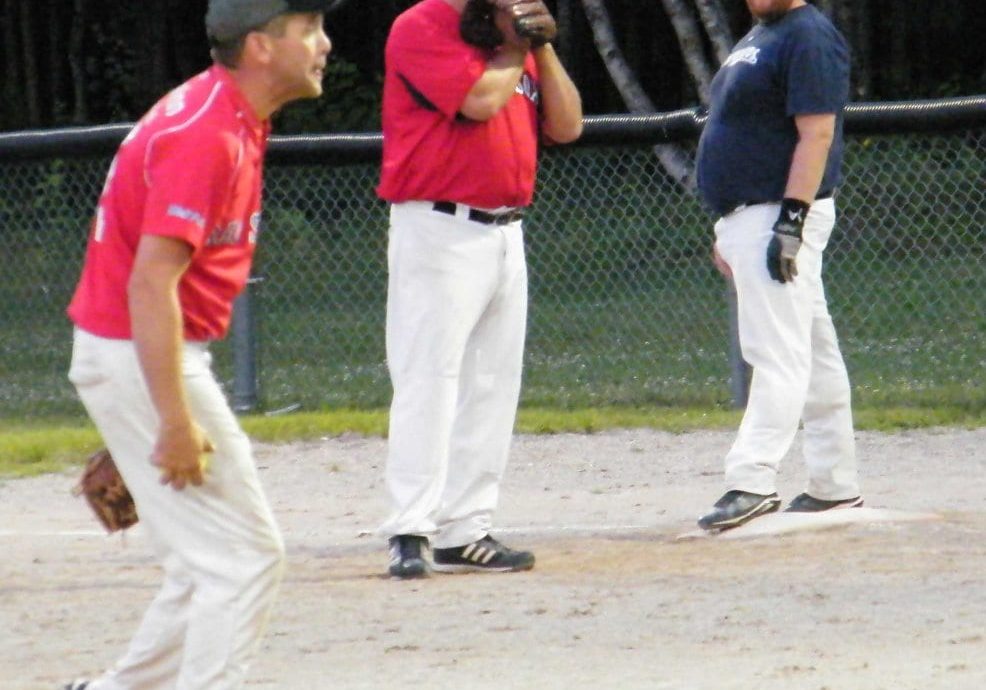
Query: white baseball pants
<point x="220" y="548"/>
<point x="787" y="336"/>
<point x="456" y="320"/>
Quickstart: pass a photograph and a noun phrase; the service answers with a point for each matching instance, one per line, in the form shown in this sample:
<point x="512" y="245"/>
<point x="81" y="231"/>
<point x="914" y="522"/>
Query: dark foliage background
<point x="72" y="62"/>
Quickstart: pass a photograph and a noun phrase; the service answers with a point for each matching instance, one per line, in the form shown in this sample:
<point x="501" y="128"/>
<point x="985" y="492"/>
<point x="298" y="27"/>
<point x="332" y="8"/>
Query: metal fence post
<point x="739" y="379"/>
<point x="243" y="331"/>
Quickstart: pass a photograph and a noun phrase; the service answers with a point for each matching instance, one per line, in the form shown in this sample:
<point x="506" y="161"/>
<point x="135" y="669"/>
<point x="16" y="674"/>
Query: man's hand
<point x="535" y="23"/>
<point x="782" y="250"/>
<point x="531" y="19"/>
<point x="180" y="452"/>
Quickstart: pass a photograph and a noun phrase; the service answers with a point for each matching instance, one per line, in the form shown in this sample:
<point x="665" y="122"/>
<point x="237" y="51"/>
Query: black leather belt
<point x="746" y="204"/>
<point x="484" y="217"/>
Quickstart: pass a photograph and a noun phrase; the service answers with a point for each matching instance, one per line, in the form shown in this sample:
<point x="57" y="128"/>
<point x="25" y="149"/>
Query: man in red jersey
<point x="169" y="250"/>
<point x="461" y="125"/>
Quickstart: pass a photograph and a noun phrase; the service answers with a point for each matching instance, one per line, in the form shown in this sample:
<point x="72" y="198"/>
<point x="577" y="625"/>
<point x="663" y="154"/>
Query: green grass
<point x="625" y="309"/>
<point x="911" y="334"/>
<point x="33" y="448"/>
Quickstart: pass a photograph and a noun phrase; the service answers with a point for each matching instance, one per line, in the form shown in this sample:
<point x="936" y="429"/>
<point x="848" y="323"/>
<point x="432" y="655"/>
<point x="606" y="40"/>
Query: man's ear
<point x="257" y="48"/>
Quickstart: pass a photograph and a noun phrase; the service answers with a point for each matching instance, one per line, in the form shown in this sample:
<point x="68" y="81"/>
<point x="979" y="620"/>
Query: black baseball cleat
<point x="77" y="685"/>
<point x="486" y="555"/>
<point x="806" y="503"/>
<point x="406" y="559"/>
<point x="737" y="507"/>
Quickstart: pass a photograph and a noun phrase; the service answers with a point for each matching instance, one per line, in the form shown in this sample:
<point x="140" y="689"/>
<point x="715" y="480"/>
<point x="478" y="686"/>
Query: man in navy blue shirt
<point x="768" y="164"/>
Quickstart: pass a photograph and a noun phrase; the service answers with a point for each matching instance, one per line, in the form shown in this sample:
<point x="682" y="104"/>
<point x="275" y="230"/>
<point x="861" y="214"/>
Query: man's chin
<point x="312" y="89"/>
<point x="770" y="17"/>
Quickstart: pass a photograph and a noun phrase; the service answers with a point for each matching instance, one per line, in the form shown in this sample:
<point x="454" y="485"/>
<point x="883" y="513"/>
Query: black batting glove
<point x="784" y="245"/>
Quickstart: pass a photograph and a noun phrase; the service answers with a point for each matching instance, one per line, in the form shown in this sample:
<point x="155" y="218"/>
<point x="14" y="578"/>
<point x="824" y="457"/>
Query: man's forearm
<point x="560" y="98"/>
<point x="497" y="85"/>
<point x="156" y="323"/>
<point x="807" y="169"/>
<point x="815" y="135"/>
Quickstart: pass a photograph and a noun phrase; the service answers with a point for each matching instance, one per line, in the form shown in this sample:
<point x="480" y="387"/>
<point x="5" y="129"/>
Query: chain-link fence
<point x="625" y="306"/>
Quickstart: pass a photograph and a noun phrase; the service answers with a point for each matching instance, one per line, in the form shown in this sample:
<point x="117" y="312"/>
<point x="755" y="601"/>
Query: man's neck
<point x="257" y="92"/>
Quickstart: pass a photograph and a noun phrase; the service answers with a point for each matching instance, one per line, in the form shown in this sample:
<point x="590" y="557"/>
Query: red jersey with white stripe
<point x="430" y="152"/>
<point x="191" y="169"/>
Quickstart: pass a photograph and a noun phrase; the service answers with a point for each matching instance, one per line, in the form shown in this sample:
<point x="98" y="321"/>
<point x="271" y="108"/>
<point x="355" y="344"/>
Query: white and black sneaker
<point x="406" y="558"/>
<point x="806" y="503"/>
<point x="77" y="685"/>
<point x="486" y="555"/>
<point x="738" y="507"/>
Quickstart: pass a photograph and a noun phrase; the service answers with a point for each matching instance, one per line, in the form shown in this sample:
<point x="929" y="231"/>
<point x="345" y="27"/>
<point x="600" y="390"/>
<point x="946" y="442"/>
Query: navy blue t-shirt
<point x="796" y="65"/>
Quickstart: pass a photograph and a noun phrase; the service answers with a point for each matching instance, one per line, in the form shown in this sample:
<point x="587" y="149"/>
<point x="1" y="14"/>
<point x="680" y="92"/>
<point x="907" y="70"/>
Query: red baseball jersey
<point x="191" y="169"/>
<point x="430" y="152"/>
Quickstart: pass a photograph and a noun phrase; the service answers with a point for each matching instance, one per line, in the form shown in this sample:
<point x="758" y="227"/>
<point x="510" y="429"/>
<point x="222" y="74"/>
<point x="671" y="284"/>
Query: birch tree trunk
<point x="716" y="25"/>
<point x="565" y="16"/>
<point x="674" y="160"/>
<point x="690" y="42"/>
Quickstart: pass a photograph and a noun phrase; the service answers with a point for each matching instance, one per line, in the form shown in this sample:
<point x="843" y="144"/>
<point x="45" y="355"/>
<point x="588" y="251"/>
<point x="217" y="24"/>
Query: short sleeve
<point x="439" y="67"/>
<point x="817" y="73"/>
<point x="189" y="181"/>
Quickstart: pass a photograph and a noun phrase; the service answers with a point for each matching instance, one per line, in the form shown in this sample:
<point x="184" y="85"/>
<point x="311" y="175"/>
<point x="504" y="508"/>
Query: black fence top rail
<point x="651" y="129"/>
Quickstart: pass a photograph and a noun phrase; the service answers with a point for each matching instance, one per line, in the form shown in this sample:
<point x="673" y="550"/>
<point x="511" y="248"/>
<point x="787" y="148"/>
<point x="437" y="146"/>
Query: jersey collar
<point x="260" y="128"/>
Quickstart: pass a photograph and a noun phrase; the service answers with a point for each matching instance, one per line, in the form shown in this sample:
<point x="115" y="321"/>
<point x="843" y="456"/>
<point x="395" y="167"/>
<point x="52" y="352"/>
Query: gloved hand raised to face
<point x="531" y="21"/>
<point x="782" y="250"/>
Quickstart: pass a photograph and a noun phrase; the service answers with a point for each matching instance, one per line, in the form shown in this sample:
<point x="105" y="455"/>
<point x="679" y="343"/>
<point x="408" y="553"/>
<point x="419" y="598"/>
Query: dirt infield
<point x="616" y="600"/>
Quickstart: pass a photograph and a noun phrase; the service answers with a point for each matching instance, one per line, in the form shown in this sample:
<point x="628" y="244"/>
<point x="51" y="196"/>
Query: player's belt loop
<point x="478" y="216"/>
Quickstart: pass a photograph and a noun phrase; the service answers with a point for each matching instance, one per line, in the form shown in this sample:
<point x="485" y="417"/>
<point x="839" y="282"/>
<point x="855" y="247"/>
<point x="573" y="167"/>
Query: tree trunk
<point x="76" y="62"/>
<point x="56" y="70"/>
<point x="31" y="101"/>
<point x="852" y="18"/>
<point x="152" y="58"/>
<point x="690" y="42"/>
<point x="863" y="50"/>
<point x="716" y="25"/>
<point x="897" y="65"/>
<point x="619" y="71"/>
<point x="567" y="50"/>
<point x="673" y="159"/>
<point x="12" y="63"/>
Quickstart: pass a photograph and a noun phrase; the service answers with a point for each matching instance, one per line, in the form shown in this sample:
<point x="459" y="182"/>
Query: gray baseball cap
<point x="227" y="20"/>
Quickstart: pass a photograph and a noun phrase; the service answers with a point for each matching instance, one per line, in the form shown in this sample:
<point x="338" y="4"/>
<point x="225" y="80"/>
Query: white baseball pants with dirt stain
<point x="787" y="337"/>
<point x="218" y="543"/>
<point x="456" y="320"/>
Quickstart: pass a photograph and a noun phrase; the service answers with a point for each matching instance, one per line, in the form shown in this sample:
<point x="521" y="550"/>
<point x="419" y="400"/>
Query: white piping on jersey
<point x="177" y="128"/>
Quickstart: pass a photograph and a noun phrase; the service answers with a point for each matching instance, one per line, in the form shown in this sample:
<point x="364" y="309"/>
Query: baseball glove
<point x="531" y="18"/>
<point x="533" y="21"/>
<point x="477" y="27"/>
<point x="106" y="492"/>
